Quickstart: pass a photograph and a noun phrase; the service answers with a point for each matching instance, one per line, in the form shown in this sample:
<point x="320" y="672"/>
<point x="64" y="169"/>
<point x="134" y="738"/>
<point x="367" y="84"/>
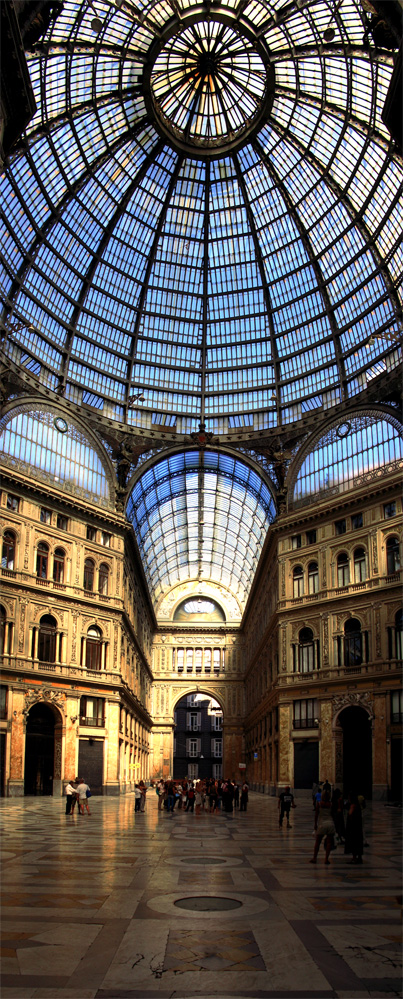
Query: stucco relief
<point x="352" y="699"/>
<point x="45" y="696"/>
<point x="325" y="651"/>
<point x="21" y="636"/>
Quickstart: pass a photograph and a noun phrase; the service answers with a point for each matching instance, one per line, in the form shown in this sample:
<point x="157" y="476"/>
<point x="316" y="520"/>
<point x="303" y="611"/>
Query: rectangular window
<point x="180" y="656"/>
<point x="3" y="702"/>
<point x="356" y="521"/>
<point x="91" y="533"/>
<point x="207" y="660"/>
<point x="193" y="771"/>
<point x="305" y="713"/>
<point x="397" y="707"/>
<point x="193" y="721"/>
<point x="311" y="537"/>
<point x="216" y="723"/>
<point x="106" y="539"/>
<point x="189" y="660"/>
<point x="13" y="503"/>
<point x="92" y="711"/>
<point x="193" y="747"/>
<point x="191" y="699"/>
<point x="296" y="541"/>
<point x="45" y="515"/>
<point x="217" y="771"/>
<point x="389" y="510"/>
<point x="216" y="747"/>
<point x="62" y="522"/>
<point x="340" y="526"/>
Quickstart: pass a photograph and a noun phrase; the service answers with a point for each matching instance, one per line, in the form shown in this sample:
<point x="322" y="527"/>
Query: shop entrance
<point x="357" y="751"/>
<point x="39" y="751"/>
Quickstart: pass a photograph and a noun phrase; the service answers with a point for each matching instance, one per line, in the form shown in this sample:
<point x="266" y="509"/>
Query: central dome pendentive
<point x="210" y="84"/>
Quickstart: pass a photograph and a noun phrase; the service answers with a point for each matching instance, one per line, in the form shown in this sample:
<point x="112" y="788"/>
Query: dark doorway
<point x="357" y="751"/>
<point x="306" y="764"/>
<point x="39" y="750"/>
<point x="90" y="763"/>
<point x="396" y="760"/>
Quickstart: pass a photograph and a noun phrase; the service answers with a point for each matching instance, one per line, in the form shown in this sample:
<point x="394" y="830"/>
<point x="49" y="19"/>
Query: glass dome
<point x="203" y="218"/>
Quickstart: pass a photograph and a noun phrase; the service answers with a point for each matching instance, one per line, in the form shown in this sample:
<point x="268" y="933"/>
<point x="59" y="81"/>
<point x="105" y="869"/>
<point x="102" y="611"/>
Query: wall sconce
<point x="73" y="719"/>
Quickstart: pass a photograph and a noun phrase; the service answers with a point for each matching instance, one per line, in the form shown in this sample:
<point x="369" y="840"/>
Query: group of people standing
<point x="207" y="795"/>
<point x="77" y="792"/>
<point x="338" y="818"/>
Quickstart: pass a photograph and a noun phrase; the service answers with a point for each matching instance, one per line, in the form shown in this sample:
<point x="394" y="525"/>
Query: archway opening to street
<point x="357" y="751"/>
<point x="198" y="738"/>
<point x="39" y="751"/>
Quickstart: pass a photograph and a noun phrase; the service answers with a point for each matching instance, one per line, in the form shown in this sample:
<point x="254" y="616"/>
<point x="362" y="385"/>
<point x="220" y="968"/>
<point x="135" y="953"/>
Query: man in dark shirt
<point x="285" y="803"/>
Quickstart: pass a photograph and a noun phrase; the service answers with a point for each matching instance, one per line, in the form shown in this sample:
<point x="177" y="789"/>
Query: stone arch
<point x="54" y="704"/>
<point x="352" y="733"/>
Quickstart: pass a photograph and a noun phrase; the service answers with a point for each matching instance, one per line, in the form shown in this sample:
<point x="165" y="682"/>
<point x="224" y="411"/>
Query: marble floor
<point x="89" y="904"/>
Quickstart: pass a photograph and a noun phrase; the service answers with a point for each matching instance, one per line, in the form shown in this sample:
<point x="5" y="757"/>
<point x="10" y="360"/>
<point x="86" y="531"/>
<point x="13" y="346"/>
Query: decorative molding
<point x="352" y="699"/>
<point x="45" y="695"/>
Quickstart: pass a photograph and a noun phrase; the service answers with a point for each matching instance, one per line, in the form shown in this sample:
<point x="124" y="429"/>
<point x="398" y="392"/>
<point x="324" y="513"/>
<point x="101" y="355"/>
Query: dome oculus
<point x="209" y="86"/>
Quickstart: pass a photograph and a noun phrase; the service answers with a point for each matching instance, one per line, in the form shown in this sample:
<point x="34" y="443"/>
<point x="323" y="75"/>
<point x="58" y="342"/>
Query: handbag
<point x="88" y="793"/>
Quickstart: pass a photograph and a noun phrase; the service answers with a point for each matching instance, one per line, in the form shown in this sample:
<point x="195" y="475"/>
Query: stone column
<point x="111" y="778"/>
<point x="379" y="749"/>
<point x="326" y="757"/>
<point x="232" y="750"/>
<point x="285" y="745"/>
<point x="17" y="745"/>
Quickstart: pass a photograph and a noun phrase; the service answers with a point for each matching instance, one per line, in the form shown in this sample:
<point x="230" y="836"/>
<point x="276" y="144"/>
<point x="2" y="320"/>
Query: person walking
<point x="161" y="794"/>
<point x="285" y="803"/>
<point x="71" y="797"/>
<point x="244" y="797"/>
<point x="143" y="791"/>
<point x="354" y="843"/>
<point x="82" y="792"/>
<point x="137" y="798"/>
<point x="190" y="798"/>
<point x="324" y="827"/>
<point x="170" y="797"/>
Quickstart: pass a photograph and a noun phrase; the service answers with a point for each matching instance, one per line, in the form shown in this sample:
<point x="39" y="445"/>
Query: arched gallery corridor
<point x="89" y="905"/>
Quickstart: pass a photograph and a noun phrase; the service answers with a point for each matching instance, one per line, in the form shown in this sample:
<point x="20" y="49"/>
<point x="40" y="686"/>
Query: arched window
<point x="298" y="581"/>
<point x="306" y="653"/>
<point x="42" y="559"/>
<point x="313" y="577"/>
<point x="8" y="551"/>
<point x="58" y="565"/>
<point x="352" y="643"/>
<point x="89" y="572"/>
<point x="47" y="639"/>
<point x="360" y="571"/>
<point x="392" y="556"/>
<point x="343" y="570"/>
<point x="103" y="579"/>
<point x="93" y="648"/>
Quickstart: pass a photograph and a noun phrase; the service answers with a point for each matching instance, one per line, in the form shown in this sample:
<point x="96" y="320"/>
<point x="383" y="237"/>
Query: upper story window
<point x="180" y="660"/>
<point x="311" y="537"/>
<point x="343" y="570"/>
<point x="216" y="747"/>
<point x="356" y="521"/>
<point x="305" y="713"/>
<point x="8" y="550"/>
<point x="103" y="579"/>
<point x="42" y="560"/>
<point x="89" y="573"/>
<point x="92" y="711"/>
<point x="13" y="503"/>
<point x="352" y="643"/>
<point x="397" y="707"/>
<point x="198" y="660"/>
<point x="3" y="702"/>
<point x="313" y="577"/>
<point x="305" y="654"/>
<point x="396" y="637"/>
<point x="296" y="541"/>
<point x="193" y="721"/>
<point x="91" y="533"/>
<point x="298" y="581"/>
<point x="58" y="565"/>
<point x="45" y="515"/>
<point x="360" y="570"/>
<point x="216" y="723"/>
<point x="93" y="648"/>
<point x="106" y="539"/>
<point x="62" y="522"/>
<point x="340" y="526"/>
<point x="389" y="510"/>
<point x="191" y="700"/>
<point x="47" y="639"/>
<point x="392" y="555"/>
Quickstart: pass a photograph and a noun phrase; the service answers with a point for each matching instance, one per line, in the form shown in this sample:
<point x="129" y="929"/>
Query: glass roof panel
<point x="200" y="207"/>
<point x="213" y="509"/>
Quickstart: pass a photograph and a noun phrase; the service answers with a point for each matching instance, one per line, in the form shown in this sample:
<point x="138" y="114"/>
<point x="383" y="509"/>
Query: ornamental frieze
<point x="353" y="699"/>
<point x="44" y="696"/>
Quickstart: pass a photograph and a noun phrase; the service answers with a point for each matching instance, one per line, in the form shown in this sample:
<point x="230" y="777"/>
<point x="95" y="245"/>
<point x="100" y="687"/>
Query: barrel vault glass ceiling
<point x="202" y="220"/>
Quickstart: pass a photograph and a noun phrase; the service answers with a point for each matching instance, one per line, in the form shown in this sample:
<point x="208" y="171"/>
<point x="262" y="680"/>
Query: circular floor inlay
<point x="208" y="903"/>
<point x="201" y="860"/>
